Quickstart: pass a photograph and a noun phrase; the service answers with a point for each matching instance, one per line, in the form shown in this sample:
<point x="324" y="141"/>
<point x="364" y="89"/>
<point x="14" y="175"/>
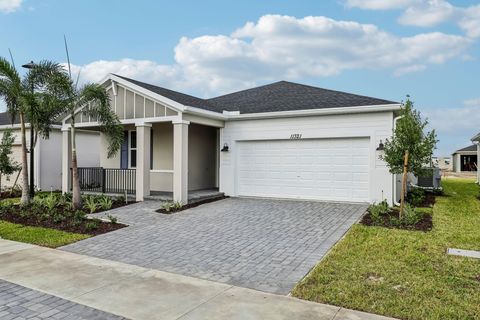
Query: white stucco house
<point x="48" y="153"/>
<point x="476" y="141"/>
<point x="465" y="159"/>
<point x="282" y="140"/>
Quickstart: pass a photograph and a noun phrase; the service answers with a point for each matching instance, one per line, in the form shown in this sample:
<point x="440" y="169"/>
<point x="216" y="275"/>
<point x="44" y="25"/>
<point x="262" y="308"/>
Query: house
<point x="476" y="141"/>
<point x="48" y="153"/>
<point x="465" y="159"/>
<point x="282" y="140"/>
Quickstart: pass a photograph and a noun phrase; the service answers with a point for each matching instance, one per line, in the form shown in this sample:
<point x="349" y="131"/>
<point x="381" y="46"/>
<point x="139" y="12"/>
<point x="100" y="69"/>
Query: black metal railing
<point x="106" y="180"/>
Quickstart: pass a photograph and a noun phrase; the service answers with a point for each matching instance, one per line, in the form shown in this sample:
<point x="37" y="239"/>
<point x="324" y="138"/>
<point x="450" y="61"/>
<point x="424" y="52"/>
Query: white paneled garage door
<point x="323" y="169"/>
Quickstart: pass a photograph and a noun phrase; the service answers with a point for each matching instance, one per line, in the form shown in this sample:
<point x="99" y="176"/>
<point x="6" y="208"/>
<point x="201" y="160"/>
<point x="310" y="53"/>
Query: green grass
<point x="40" y="236"/>
<point x="406" y="274"/>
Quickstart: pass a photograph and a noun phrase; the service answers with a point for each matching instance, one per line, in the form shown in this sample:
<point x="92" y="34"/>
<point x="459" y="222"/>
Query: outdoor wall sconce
<point x="225" y="147"/>
<point x="381" y="146"/>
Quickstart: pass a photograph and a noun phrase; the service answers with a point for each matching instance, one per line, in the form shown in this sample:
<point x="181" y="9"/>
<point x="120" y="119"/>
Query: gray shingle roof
<point x="473" y="147"/>
<point x="278" y="96"/>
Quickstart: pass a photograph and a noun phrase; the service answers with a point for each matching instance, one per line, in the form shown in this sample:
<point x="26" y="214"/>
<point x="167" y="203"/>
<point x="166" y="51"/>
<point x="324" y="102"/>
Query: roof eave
<point x="312" y="112"/>
<point x="475" y="138"/>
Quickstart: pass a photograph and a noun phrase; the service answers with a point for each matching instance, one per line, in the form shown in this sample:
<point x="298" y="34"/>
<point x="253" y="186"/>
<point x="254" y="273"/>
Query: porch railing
<point x="106" y="180"/>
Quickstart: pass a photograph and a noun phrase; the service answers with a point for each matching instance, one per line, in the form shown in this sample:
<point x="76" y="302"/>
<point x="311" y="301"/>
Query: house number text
<point x="296" y="136"/>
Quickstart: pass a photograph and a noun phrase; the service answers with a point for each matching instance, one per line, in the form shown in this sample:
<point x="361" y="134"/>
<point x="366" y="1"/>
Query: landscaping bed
<point x="392" y="219"/>
<point x="55" y="211"/>
<point x="169" y="207"/>
<point x="407" y="274"/>
<point x="417" y="212"/>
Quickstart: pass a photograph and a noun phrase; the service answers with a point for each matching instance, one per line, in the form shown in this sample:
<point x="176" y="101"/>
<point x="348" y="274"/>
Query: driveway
<point x="267" y="245"/>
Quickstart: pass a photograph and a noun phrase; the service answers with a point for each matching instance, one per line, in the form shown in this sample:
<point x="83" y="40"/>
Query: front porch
<point x="166" y="154"/>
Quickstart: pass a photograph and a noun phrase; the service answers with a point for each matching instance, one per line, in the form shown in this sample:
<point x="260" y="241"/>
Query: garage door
<point x="323" y="169"/>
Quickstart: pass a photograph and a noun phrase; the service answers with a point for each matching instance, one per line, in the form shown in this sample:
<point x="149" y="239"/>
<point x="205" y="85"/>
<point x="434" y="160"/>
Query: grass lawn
<point x="406" y="274"/>
<point x="41" y="236"/>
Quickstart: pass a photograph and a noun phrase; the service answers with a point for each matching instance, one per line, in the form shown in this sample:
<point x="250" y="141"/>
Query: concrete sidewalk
<point x="139" y="293"/>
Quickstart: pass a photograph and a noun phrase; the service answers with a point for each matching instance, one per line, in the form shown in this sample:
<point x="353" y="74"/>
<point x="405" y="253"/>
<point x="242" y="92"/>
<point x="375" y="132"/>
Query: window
<point x="132" y="149"/>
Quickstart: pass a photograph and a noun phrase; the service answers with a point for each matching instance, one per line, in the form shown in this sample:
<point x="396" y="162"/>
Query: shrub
<point x="50" y="202"/>
<point x="409" y="218"/>
<point x="112" y="219"/>
<point x="378" y="211"/>
<point x="91" y="204"/>
<point x="92" y="224"/>
<point x="105" y="203"/>
<point x="57" y="217"/>
<point x="416" y="196"/>
<point x="171" y="205"/>
<point x="167" y="206"/>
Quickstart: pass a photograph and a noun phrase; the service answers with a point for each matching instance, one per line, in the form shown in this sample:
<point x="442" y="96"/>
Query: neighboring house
<point x="282" y="140"/>
<point x="48" y="153"/>
<point x="476" y="141"/>
<point x="465" y="159"/>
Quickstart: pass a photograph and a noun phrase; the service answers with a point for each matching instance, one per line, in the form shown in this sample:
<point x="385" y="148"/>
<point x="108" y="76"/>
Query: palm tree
<point x="92" y="100"/>
<point x="21" y="100"/>
<point x="13" y="92"/>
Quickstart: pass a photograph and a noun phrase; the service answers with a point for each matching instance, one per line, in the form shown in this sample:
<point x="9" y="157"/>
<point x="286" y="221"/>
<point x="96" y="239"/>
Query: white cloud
<point x="8" y="6"/>
<point x="472" y="102"/>
<point x="379" y="4"/>
<point x="283" y="47"/>
<point x="428" y="13"/>
<point x="458" y="121"/>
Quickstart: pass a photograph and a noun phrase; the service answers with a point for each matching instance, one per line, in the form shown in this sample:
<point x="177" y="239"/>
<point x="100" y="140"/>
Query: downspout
<point x="393" y="175"/>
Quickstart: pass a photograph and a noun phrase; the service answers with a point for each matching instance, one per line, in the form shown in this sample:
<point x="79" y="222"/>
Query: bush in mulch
<point x="169" y="207"/>
<point x="56" y="211"/>
<point x="422" y="198"/>
<point x="384" y="216"/>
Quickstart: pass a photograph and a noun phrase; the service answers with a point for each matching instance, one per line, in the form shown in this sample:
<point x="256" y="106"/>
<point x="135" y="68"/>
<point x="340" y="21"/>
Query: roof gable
<point x="473" y="147"/>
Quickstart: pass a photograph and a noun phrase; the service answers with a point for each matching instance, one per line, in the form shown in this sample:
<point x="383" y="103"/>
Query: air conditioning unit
<point x="430" y="181"/>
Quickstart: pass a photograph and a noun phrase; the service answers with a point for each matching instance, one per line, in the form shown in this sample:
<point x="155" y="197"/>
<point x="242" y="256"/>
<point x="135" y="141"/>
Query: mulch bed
<point x="192" y="205"/>
<point x="66" y="225"/>
<point x="425" y="224"/>
<point x="429" y="200"/>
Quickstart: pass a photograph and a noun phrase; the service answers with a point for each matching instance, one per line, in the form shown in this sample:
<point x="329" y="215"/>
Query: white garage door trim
<point x="330" y="169"/>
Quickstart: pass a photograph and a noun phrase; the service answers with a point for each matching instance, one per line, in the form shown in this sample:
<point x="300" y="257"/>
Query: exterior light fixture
<point x="225" y="147"/>
<point x="381" y="146"/>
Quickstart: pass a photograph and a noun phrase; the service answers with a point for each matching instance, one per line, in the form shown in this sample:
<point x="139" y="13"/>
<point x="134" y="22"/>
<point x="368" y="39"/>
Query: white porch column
<point x="180" y="161"/>
<point x="143" y="160"/>
<point x="66" y="159"/>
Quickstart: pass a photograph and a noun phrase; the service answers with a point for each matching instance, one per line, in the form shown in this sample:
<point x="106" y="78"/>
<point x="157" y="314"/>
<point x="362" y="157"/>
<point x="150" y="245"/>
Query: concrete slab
<point x="10" y="246"/>
<point x="347" y="314"/>
<point x="139" y="293"/>
<point x="241" y="303"/>
<point x="464" y="253"/>
<point x="153" y="295"/>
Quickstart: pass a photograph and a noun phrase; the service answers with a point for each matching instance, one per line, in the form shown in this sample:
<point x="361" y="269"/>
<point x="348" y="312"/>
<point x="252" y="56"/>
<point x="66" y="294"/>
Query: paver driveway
<point x="267" y="245"/>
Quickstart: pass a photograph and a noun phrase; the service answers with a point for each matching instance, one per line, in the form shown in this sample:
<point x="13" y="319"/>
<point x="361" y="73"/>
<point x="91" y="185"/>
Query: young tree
<point x="91" y="100"/>
<point x="20" y="98"/>
<point x="7" y="165"/>
<point x="410" y="148"/>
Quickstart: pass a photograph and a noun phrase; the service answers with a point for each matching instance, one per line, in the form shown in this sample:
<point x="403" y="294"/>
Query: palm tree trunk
<point x="25" y="192"/>
<point x="76" y="195"/>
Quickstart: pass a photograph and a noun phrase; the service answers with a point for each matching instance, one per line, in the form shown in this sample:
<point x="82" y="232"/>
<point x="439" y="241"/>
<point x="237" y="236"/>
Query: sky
<point x="428" y="49"/>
